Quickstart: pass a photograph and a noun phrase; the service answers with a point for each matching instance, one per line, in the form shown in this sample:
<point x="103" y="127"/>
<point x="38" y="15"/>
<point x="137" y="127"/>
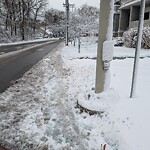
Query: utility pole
<point x="104" y="39"/>
<point x="138" y="47"/>
<point x="67" y="20"/>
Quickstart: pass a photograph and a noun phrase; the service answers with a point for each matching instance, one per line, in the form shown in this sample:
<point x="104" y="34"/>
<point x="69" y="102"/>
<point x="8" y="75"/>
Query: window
<point x="146" y="16"/>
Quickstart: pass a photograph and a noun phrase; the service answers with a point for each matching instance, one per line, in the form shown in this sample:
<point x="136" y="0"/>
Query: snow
<point x="126" y="124"/>
<point x="135" y="112"/>
<point x="39" y="110"/>
<point x="106" y="97"/>
<point x="26" y="42"/>
<point x="108" y="47"/>
<point x="122" y="52"/>
<point x="110" y="22"/>
<point x="89" y="47"/>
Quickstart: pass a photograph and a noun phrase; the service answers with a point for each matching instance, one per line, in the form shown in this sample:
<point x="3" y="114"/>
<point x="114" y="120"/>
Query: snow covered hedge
<point x="130" y="38"/>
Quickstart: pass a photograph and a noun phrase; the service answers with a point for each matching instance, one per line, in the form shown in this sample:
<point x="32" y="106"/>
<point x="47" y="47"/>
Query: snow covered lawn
<point x="39" y="111"/>
<point x="125" y="124"/>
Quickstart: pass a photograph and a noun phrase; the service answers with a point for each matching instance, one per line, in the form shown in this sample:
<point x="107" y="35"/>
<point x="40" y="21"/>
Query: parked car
<point x="118" y="42"/>
<point x="39" y="37"/>
<point x="60" y="38"/>
<point x="45" y="36"/>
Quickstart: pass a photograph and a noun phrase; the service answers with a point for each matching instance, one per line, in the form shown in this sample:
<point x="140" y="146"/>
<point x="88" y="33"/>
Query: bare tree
<point x="18" y="17"/>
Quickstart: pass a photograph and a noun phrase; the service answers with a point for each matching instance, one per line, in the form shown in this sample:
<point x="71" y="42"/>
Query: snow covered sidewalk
<point x="34" y="112"/>
<point x="39" y="111"/>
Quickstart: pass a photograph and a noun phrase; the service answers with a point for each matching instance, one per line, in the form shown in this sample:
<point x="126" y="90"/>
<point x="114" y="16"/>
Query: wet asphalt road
<point x="14" y="69"/>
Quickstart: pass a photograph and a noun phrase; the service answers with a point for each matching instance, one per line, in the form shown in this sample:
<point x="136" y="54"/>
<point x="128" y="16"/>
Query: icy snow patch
<point x="99" y="102"/>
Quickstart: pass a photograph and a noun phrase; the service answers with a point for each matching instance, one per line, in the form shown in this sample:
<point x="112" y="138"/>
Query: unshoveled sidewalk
<point x="35" y="113"/>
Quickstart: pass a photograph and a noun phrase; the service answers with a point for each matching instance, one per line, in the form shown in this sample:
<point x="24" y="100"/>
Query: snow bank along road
<point x="10" y="47"/>
<point x="14" y="64"/>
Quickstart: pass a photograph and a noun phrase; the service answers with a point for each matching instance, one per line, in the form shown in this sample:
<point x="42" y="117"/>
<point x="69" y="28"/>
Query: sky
<point x="58" y="4"/>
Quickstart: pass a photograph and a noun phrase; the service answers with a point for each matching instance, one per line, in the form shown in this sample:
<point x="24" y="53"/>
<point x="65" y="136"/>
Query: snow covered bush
<point x="146" y="38"/>
<point x="130" y="38"/>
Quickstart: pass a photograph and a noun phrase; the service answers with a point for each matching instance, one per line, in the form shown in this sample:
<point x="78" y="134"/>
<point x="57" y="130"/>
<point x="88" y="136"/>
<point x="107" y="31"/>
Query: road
<point x="12" y="69"/>
<point x="10" y="48"/>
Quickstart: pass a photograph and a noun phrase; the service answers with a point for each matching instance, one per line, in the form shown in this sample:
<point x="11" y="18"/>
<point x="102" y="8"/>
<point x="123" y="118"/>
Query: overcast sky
<point x="58" y="4"/>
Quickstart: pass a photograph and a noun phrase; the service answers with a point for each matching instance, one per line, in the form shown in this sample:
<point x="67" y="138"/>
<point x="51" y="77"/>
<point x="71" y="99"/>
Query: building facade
<point x="128" y="15"/>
